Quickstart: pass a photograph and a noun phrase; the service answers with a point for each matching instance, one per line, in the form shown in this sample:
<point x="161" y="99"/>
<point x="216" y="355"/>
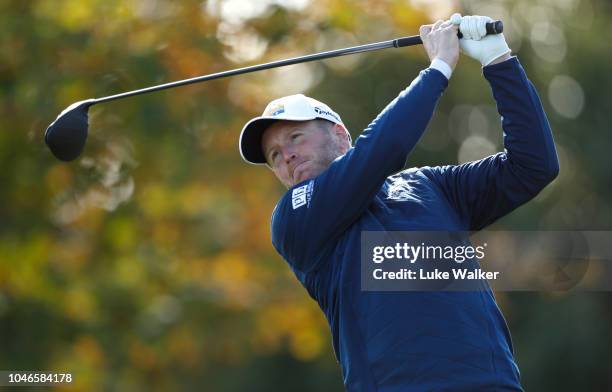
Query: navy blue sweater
<point x="415" y="341"/>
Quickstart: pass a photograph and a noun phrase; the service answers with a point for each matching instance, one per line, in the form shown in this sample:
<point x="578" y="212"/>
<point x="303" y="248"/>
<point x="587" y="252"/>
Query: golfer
<point x="404" y="341"/>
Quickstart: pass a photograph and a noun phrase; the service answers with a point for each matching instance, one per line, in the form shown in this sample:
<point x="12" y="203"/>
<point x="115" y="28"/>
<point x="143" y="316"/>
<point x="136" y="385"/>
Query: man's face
<point x="299" y="150"/>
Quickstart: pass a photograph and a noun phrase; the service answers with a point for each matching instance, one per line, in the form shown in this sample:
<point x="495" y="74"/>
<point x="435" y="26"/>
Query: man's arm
<point x="302" y="232"/>
<point x="484" y="190"/>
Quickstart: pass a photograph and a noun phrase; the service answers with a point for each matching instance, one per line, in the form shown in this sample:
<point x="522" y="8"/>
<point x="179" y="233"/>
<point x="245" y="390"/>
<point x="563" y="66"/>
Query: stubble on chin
<point x="316" y="166"/>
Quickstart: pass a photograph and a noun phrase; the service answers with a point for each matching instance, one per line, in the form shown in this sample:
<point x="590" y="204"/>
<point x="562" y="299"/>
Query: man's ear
<point x="342" y="135"/>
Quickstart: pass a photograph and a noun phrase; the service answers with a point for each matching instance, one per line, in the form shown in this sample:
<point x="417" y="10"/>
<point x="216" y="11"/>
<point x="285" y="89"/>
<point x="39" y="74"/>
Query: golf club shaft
<point x="295" y="60"/>
<point x="495" y="27"/>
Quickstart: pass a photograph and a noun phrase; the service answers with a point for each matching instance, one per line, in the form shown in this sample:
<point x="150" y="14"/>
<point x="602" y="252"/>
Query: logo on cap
<point x="275" y="110"/>
<point x="324" y="112"/>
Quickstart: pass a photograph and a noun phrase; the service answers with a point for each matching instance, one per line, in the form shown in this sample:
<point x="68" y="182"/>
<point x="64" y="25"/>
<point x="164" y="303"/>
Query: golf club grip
<point x="494" y="27"/>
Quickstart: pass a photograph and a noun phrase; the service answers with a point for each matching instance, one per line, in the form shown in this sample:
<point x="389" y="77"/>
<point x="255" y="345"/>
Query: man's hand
<point x="440" y="41"/>
<point x="488" y="49"/>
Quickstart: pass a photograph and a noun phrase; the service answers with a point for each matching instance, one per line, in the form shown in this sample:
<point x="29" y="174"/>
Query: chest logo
<point x="301" y="196"/>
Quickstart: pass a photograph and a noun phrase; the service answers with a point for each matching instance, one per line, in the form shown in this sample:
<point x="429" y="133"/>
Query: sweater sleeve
<point x="312" y="215"/>
<point x="485" y="190"/>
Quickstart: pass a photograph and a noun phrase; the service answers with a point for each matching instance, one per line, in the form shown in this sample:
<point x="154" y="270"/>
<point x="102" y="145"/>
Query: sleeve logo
<point x="301" y="196"/>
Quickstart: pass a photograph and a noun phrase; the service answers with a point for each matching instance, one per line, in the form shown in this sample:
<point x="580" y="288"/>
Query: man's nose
<point x="289" y="154"/>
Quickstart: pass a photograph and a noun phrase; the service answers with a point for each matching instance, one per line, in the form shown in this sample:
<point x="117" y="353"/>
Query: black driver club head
<point x="66" y="136"/>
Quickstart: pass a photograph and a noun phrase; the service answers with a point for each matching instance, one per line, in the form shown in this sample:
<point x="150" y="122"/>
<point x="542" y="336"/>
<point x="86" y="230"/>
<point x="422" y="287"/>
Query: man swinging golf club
<point x="414" y="340"/>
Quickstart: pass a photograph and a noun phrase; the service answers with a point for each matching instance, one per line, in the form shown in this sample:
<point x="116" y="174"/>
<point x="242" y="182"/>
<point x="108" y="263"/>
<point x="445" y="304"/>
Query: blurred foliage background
<point x="147" y="265"/>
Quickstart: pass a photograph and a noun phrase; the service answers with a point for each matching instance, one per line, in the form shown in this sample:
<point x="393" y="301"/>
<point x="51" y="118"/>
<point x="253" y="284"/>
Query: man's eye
<point x="295" y="136"/>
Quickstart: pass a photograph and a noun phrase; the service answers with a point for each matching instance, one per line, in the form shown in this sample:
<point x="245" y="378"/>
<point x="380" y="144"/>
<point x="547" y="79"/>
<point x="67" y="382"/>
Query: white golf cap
<point x="296" y="107"/>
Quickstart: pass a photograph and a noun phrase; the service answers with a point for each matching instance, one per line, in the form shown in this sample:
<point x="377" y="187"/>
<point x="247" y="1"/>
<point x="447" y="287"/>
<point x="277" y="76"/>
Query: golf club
<point x="66" y="136"/>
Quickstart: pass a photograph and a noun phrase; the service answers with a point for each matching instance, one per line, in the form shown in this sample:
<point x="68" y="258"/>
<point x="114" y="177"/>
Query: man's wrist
<point x="442" y="66"/>
<point x="502" y="58"/>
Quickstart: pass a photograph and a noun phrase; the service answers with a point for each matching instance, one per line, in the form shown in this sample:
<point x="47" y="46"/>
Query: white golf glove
<point x="476" y="43"/>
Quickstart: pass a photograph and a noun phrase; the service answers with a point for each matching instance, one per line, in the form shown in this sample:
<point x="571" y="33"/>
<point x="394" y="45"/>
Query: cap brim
<point x="250" y="137"/>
